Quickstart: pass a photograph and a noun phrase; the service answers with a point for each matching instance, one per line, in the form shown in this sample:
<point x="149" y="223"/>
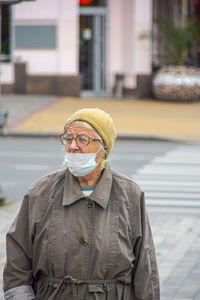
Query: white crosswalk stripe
<point x="172" y="179"/>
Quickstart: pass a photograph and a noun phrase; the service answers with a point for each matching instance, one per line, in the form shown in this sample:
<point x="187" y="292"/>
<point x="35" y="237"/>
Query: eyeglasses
<point x="81" y="140"/>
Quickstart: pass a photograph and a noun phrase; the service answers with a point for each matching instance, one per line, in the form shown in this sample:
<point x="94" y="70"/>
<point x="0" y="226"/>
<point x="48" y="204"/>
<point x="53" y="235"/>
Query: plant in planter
<point x="176" y="81"/>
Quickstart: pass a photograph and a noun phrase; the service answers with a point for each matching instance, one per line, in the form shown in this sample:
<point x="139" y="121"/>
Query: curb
<point x="122" y="137"/>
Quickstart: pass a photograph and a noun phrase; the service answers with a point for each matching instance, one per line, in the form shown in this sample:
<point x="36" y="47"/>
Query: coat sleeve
<point x="17" y="275"/>
<point x="24" y="292"/>
<point x="146" y="277"/>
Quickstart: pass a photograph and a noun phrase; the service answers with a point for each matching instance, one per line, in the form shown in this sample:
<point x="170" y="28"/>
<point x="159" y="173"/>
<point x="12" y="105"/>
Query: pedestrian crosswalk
<point x="172" y="179"/>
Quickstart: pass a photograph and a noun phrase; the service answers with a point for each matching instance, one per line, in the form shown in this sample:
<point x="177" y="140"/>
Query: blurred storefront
<point x="79" y="47"/>
<point x="92" y="46"/>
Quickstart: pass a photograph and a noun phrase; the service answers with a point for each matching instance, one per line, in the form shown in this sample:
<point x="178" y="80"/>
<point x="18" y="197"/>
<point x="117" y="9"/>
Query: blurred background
<point x="139" y="60"/>
<point x="89" y="47"/>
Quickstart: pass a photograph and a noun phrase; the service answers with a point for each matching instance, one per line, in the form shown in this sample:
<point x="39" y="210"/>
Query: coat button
<point x="89" y="203"/>
<point x="84" y="241"/>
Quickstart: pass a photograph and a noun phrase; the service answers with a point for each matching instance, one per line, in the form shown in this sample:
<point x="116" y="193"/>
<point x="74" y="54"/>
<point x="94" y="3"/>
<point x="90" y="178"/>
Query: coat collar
<point x="100" y="195"/>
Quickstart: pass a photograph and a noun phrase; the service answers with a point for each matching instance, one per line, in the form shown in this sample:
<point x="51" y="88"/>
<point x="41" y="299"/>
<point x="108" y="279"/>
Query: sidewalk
<point x="144" y="118"/>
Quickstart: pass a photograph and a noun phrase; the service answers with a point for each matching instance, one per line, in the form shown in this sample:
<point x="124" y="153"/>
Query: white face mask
<point x="81" y="164"/>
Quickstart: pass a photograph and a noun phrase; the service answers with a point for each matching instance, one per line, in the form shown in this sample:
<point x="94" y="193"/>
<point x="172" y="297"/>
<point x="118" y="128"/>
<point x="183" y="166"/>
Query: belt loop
<point x="107" y="273"/>
<point x="51" y="286"/>
<point x="56" y="291"/>
<point x="52" y="269"/>
<point x="105" y="287"/>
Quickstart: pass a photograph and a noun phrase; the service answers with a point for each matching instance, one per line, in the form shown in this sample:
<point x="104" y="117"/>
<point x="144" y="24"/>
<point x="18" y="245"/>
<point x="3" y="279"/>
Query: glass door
<point x="92" y="61"/>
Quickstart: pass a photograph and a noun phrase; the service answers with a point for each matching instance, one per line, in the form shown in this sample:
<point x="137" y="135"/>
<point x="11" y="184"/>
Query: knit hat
<point x="100" y="121"/>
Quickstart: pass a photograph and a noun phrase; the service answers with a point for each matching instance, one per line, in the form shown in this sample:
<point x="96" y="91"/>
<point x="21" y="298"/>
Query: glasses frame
<point x="75" y="139"/>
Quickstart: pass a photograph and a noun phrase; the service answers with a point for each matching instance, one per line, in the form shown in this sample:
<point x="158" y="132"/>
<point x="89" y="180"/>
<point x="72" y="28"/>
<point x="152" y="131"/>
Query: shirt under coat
<point x="103" y="238"/>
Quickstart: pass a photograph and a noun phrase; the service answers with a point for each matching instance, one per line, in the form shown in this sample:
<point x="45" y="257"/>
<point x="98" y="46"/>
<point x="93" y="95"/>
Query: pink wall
<point x="127" y="53"/>
<point x="65" y="16"/>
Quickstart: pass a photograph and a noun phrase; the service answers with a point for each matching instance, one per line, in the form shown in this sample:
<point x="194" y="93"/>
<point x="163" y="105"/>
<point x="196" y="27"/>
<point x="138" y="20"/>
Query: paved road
<point x="173" y="178"/>
<point x="169" y="175"/>
<point x="22" y="161"/>
<point x="171" y="182"/>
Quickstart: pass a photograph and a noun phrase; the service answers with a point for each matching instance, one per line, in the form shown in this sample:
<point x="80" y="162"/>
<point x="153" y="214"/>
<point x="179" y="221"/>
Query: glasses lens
<point x="68" y="139"/>
<point x="82" y="140"/>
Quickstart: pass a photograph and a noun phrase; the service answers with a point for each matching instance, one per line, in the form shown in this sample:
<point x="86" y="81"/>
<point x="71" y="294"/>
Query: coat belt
<point x="57" y="284"/>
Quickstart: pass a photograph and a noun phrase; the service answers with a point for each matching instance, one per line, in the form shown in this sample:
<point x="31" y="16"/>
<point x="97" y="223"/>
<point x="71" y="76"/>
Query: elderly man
<point x="82" y="232"/>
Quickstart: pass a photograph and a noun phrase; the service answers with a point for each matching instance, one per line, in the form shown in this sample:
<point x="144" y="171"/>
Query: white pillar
<point x="68" y="33"/>
<point x="128" y="54"/>
<point x="142" y="17"/>
<point x="115" y="31"/>
<point x="115" y="18"/>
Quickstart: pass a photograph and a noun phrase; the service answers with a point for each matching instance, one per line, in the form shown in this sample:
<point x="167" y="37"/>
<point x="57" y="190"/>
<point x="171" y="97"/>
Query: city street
<point x="24" y="160"/>
<point x="127" y="68"/>
<point x="168" y="172"/>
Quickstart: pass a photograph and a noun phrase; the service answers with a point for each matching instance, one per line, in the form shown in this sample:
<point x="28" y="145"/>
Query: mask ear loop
<point x="103" y="162"/>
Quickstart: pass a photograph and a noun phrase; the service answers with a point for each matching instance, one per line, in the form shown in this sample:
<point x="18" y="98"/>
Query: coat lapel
<point x="100" y="195"/>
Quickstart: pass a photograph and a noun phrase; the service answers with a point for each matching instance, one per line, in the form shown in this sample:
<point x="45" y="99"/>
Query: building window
<point x="5" y="34"/>
<point x="35" y="36"/>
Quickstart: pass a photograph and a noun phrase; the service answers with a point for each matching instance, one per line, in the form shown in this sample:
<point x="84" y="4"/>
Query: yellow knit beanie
<point x="100" y="121"/>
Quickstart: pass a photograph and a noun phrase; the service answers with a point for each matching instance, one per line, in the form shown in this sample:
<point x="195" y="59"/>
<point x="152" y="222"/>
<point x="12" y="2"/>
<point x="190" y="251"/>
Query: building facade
<point x="78" y="47"/>
<point x="69" y="48"/>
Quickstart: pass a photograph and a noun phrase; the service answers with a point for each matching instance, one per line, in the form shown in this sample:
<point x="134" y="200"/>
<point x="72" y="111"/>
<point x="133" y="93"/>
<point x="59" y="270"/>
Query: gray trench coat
<point x="63" y="245"/>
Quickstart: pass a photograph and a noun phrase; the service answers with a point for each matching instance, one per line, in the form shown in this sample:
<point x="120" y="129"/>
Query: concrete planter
<point x="177" y="83"/>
